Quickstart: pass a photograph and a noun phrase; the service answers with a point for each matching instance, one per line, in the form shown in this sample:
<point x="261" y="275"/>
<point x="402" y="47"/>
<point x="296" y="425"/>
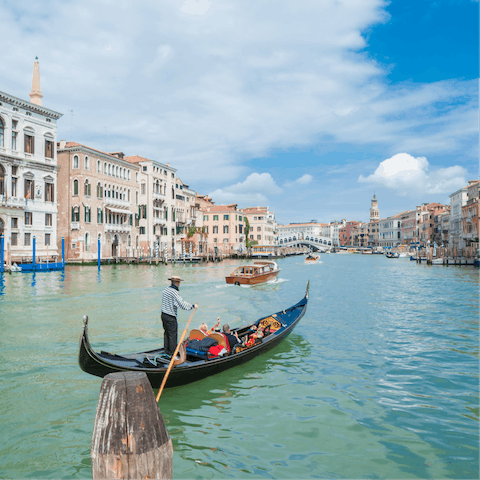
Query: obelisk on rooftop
<point x="36" y="93"/>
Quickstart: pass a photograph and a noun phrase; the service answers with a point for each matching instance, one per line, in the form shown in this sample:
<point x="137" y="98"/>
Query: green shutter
<point x="72" y="215"/>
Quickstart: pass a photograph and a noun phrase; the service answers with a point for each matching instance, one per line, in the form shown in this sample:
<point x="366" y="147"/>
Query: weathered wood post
<point x="129" y="440"/>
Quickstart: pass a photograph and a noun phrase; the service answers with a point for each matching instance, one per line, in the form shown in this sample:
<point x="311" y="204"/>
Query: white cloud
<point x="207" y="92"/>
<point x="407" y="174"/>
<point x="303" y="180"/>
<point x="254" y="191"/>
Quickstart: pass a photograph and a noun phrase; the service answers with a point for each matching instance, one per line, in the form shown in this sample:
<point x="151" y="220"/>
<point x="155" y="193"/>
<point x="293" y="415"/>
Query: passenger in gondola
<point x="204" y="327"/>
<point x="231" y="338"/>
<point x="256" y="335"/>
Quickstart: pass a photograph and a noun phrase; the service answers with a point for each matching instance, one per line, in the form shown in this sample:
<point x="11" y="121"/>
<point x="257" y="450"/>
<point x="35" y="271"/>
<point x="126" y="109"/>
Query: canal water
<point x="379" y="379"/>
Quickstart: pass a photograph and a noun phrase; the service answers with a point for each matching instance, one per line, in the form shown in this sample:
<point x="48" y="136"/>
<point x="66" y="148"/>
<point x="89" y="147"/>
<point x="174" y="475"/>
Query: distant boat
<point x="311" y="258"/>
<point x="392" y="255"/>
<point x="437" y="261"/>
<point x="260" y="272"/>
<point x="403" y="254"/>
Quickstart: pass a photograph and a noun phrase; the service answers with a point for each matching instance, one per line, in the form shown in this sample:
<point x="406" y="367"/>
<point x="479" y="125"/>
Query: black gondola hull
<point x="101" y="364"/>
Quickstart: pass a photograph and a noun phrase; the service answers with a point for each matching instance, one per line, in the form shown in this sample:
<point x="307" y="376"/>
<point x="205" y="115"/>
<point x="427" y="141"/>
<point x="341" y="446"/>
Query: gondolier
<point x="171" y="300"/>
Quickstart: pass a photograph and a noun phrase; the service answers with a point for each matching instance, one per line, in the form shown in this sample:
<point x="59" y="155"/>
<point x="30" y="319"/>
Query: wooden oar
<point x="173" y="357"/>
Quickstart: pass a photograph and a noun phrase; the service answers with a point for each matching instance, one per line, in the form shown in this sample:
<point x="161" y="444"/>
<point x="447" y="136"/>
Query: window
<point x="259" y="229"/>
<point x="49" y="192"/>
<point x="47" y="239"/>
<point x="142" y="189"/>
<point x="240" y="218"/>
<point x="99" y="190"/>
<point x="29" y="188"/>
<point x="99" y="215"/>
<point x="99" y="166"/>
<point x="27" y="239"/>
<point x="14" y="135"/>
<point x="259" y="237"/>
<point x="2" y="133"/>
<point x="142" y="230"/>
<point x="29" y="143"/>
<point x="75" y="214"/>
<point x="75" y="187"/>
<point x="88" y="214"/>
<point x="48" y="220"/>
<point x="215" y="218"/>
<point x="87" y="164"/>
<point x="28" y="218"/>
<point x="14" y="239"/>
<point x="205" y="218"/>
<point x="75" y="161"/>
<point x="144" y="168"/>
<point x="136" y="197"/>
<point x="48" y="148"/>
<point x="215" y="229"/>
<point x="87" y="188"/>
<point x="225" y="217"/>
<point x="136" y="176"/>
<point x="225" y="229"/>
<point x="14" y="222"/>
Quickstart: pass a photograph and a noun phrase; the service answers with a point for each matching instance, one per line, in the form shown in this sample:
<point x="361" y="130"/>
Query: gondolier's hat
<point x="174" y="278"/>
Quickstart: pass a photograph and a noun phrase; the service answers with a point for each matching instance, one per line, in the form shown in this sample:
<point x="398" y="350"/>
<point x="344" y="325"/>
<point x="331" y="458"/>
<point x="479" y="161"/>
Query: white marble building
<point x="28" y="174"/>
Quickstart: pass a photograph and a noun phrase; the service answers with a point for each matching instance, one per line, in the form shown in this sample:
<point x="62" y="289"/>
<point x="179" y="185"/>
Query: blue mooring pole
<point x="98" y="253"/>
<point x="63" y="251"/>
<point x="1" y="254"/>
<point x="33" y="261"/>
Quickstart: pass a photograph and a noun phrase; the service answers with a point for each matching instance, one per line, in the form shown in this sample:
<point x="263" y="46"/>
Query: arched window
<point x="99" y="215"/>
<point x="2" y="180"/>
<point x="99" y="166"/>
<point x="129" y="195"/>
<point x="128" y="175"/>
<point x="87" y="164"/>
<point x="75" y="161"/>
<point x="75" y="187"/>
<point x="87" y="188"/>
<point x="116" y="171"/>
<point x="75" y="214"/>
<point x="2" y="133"/>
<point x="87" y="241"/>
<point x="99" y="190"/>
<point x="109" y="169"/>
<point x="105" y="168"/>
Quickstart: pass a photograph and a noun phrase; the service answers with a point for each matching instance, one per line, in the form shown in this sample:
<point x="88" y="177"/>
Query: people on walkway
<point x="171" y="300"/>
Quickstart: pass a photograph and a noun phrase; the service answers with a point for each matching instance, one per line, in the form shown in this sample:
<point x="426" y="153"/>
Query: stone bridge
<point x="315" y="242"/>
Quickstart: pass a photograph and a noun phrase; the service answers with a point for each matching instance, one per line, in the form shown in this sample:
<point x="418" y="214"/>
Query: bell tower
<point x="374" y="213"/>
<point x="36" y="93"/>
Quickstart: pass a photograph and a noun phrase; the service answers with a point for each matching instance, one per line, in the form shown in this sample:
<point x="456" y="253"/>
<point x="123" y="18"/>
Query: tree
<point x="247" y="231"/>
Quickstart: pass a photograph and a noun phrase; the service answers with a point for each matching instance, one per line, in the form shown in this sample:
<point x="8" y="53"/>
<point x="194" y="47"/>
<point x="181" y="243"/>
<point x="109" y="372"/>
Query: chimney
<point x="119" y="155"/>
<point x="62" y="144"/>
<point x="36" y="93"/>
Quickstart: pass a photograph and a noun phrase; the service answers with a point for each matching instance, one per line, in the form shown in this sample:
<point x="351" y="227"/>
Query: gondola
<point x="194" y="367"/>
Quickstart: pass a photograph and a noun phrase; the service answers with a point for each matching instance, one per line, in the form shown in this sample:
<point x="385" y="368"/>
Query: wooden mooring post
<point x="129" y="440"/>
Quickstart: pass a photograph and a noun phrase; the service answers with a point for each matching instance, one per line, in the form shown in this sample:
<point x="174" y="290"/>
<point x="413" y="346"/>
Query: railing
<point x="159" y="196"/>
<point x="159" y="221"/>
<point x="114" y="227"/>
<point x="116" y="202"/>
<point x="12" y="201"/>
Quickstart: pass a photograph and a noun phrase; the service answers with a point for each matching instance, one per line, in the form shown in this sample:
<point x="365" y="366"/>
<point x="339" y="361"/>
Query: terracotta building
<point x="97" y="200"/>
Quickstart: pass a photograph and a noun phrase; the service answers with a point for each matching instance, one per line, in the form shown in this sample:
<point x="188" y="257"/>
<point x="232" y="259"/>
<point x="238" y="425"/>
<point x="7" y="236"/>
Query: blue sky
<point x="308" y="107"/>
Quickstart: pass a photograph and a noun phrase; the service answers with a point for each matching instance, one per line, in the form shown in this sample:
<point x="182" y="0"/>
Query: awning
<point x="118" y="210"/>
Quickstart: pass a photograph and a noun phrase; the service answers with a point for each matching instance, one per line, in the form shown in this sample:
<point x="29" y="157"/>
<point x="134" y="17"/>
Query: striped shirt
<point x="171" y="299"/>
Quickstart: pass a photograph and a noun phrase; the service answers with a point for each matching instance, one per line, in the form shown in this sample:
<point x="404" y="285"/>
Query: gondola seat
<point x="196" y="334"/>
<point x="271" y="322"/>
<point x="221" y="339"/>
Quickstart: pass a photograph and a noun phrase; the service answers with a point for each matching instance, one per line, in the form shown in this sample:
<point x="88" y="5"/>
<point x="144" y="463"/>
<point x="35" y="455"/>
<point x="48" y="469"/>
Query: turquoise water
<point x="379" y="379"/>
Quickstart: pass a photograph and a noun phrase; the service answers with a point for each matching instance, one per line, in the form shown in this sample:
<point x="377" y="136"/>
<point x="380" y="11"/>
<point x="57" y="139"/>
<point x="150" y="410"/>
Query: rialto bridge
<point x="315" y="242"/>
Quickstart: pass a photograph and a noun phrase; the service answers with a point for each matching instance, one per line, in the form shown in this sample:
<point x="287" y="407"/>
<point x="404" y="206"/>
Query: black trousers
<point x="170" y="327"/>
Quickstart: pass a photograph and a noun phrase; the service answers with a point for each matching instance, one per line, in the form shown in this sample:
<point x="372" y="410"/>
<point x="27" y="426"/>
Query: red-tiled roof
<point x="221" y="208"/>
<point x="136" y="159"/>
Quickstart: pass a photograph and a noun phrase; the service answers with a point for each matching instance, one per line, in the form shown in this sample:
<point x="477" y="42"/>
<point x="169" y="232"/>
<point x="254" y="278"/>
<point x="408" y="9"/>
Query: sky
<point x="307" y="107"/>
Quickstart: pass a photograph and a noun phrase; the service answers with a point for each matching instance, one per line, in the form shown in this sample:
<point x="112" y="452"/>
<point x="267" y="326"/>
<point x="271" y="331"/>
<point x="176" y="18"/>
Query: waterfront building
<point x="347" y="233"/>
<point x="98" y="199"/>
<point x="262" y="225"/>
<point x="157" y="206"/>
<point x="470" y="224"/>
<point x="303" y="229"/>
<point x="28" y="174"/>
<point x="360" y="234"/>
<point x="185" y="216"/>
<point x="331" y="230"/>
<point x="457" y="200"/>
<point x="390" y="230"/>
<point x="444" y="226"/>
<point x="224" y="228"/>
<point x="426" y="223"/>
<point x="409" y="225"/>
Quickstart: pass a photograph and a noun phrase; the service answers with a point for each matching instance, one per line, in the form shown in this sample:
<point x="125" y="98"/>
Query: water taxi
<point x="260" y="272"/>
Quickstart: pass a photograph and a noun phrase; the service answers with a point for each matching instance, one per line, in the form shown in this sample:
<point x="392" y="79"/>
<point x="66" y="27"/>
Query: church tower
<point x="36" y="93"/>
<point x="374" y="213"/>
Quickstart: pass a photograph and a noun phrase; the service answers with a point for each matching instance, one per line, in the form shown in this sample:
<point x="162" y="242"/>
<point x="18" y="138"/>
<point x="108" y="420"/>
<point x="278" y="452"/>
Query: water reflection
<point x="2" y="283"/>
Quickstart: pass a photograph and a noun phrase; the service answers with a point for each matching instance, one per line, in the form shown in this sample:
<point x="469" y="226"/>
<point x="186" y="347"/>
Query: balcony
<point x="116" y="202"/>
<point x="13" y="202"/>
<point x="159" y="221"/>
<point x="115" y="227"/>
<point x="159" y="196"/>
<point x="75" y="226"/>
